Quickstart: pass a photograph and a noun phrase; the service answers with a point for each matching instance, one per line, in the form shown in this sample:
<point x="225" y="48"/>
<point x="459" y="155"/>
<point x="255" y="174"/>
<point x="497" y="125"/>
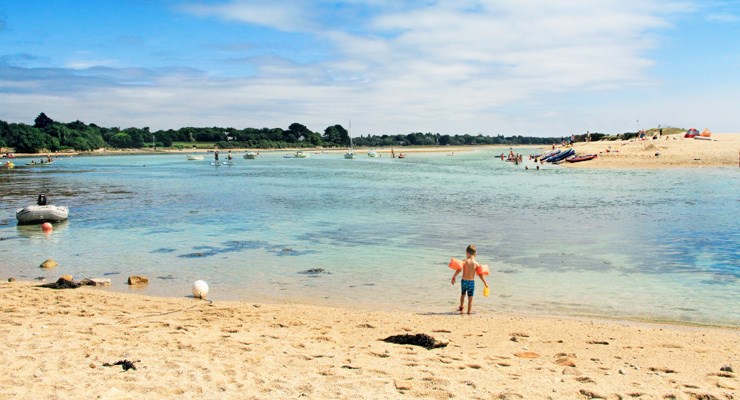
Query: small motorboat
<point x="250" y="155"/>
<point x="39" y="164"/>
<point x="561" y="156"/>
<point x="41" y="212"/>
<point x="551" y="154"/>
<point x="581" y="158"/>
<point x="350" y="155"/>
<point x="195" y="157"/>
<point x="402" y="155"/>
<point x="301" y="154"/>
<point x="373" y="154"/>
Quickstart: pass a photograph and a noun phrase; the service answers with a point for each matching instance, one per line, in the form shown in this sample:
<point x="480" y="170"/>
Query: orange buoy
<point x="46" y="227"/>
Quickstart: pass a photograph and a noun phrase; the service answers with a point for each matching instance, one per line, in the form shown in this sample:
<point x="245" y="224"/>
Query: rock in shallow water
<point x="137" y="280"/>
<point x="49" y="263"/>
<point x="95" y="282"/>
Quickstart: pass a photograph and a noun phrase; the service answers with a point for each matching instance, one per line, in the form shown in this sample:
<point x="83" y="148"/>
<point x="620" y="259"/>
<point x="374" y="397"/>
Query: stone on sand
<point x="49" y="263"/>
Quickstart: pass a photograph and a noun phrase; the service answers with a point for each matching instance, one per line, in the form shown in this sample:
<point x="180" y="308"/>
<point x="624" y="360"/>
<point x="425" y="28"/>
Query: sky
<point x="511" y="67"/>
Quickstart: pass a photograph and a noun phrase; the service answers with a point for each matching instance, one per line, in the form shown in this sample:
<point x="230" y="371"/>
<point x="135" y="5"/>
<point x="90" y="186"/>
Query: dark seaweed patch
<point x="315" y="271"/>
<point x="420" y="339"/>
<point x="198" y="254"/>
<point x="162" y="250"/>
<point x="111" y="273"/>
<point x="242" y="245"/>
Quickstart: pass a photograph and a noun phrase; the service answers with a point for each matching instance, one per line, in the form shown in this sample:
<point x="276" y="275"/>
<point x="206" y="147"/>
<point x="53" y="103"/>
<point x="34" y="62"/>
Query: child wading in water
<point x="468" y="278"/>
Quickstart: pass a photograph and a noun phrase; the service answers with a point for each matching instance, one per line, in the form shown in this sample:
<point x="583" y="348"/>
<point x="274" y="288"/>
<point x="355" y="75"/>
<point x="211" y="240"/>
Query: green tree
<point x="336" y="135"/>
<point x="28" y="139"/>
<point x="42" y="121"/>
<point x="120" y="140"/>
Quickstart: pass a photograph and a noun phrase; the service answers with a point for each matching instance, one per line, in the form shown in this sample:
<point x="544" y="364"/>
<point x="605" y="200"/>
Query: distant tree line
<point x="48" y="135"/>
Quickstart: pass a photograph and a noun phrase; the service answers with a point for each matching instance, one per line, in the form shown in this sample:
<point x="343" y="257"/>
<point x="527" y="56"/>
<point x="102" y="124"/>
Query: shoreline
<point x="668" y="152"/>
<point x="385" y="150"/>
<point x="58" y="341"/>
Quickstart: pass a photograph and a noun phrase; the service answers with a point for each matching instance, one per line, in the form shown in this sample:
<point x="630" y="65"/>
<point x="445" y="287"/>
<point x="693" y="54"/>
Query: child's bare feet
<point x="460" y="309"/>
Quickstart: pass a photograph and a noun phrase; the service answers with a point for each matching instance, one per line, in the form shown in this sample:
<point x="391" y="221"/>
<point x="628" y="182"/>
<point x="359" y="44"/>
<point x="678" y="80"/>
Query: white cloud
<point x="286" y="16"/>
<point x="448" y="66"/>
<point x="723" y="17"/>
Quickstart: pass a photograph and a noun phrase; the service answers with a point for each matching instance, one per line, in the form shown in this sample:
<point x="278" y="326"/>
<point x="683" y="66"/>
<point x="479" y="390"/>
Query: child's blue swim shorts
<point x="467" y="287"/>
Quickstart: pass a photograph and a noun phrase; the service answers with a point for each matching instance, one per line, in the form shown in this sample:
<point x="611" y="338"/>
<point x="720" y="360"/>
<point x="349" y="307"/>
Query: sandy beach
<point x="723" y="150"/>
<point x="57" y="343"/>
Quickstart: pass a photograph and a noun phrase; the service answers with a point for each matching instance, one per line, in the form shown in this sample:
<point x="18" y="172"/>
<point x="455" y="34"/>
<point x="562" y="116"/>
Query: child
<point x="468" y="278"/>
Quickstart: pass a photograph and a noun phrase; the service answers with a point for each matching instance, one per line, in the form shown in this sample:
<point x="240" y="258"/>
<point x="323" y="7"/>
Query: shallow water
<point x="658" y="244"/>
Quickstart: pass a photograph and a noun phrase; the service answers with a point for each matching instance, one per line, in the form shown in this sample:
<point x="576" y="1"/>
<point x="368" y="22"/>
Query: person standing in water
<point x="467" y="283"/>
<point x="215" y="156"/>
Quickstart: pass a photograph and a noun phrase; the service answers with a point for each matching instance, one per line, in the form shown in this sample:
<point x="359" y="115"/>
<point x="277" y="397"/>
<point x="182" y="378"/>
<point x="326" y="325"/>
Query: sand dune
<point x="666" y="152"/>
<point x="57" y="342"/>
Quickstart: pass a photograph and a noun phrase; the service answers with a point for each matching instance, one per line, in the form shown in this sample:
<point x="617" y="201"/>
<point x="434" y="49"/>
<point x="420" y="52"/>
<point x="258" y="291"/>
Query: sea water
<point x="642" y="244"/>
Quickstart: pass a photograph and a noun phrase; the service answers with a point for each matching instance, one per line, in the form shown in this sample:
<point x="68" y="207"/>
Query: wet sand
<point x="56" y="343"/>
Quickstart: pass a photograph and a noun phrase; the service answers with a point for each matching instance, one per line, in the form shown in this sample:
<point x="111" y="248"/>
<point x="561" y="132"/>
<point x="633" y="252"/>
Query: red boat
<point x="581" y="158"/>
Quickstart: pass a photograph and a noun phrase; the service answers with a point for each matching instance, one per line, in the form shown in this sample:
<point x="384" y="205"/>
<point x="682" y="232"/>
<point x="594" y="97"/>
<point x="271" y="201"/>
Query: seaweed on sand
<point x="419" y="339"/>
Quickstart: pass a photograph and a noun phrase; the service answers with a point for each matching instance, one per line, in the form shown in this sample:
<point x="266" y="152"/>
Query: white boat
<point x="250" y="155"/>
<point x="195" y="157"/>
<point x="373" y="154"/>
<point x="350" y="155"/>
<point x="300" y="154"/>
<point x="36" y="214"/>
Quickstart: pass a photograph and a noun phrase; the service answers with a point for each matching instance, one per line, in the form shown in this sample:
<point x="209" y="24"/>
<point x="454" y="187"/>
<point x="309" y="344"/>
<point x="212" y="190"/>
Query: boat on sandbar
<point x="581" y="158"/>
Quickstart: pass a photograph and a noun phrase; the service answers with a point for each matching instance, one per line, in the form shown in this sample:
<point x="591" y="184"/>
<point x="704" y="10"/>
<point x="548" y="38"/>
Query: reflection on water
<point x="638" y="244"/>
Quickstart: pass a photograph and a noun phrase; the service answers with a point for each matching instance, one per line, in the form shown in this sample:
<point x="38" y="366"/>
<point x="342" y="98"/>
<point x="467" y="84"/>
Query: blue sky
<point x="542" y="68"/>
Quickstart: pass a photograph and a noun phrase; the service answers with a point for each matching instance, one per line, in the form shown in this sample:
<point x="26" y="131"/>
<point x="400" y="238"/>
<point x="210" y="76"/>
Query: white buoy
<point x="200" y="289"/>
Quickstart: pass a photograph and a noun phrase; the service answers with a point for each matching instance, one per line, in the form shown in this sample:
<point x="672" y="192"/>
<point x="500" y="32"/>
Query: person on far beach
<point x="467" y="283"/>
